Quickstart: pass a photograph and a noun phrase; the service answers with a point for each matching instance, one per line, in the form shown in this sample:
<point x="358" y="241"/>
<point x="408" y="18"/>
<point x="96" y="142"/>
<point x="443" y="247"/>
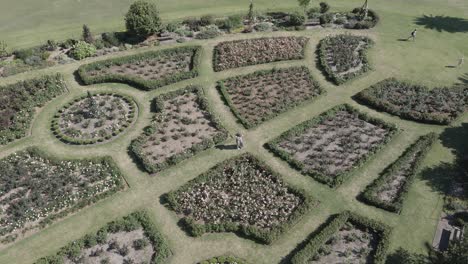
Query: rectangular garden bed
<point x="260" y="96"/>
<point x="330" y="146"/>
<point x="241" y="195"/>
<point x="245" y="52"/>
<point x="131" y="239"/>
<point x="148" y="70"/>
<point x="390" y="189"/>
<point x="347" y="238"/>
<point x="182" y="126"/>
<point x="36" y="189"/>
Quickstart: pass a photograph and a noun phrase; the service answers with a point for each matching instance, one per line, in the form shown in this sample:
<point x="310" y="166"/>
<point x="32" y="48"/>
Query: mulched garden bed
<point x="416" y="102"/>
<point x="182" y="126"/>
<point x="18" y="103"/>
<point x="240" y="53"/>
<point x="262" y="95"/>
<point x="240" y="195"/>
<point x="390" y="189"/>
<point x="344" y="57"/>
<point x="347" y="238"/>
<point x="130" y="240"/>
<point x="329" y="147"/>
<point x="94" y="118"/>
<point x="147" y="71"/>
<point x="36" y="189"/>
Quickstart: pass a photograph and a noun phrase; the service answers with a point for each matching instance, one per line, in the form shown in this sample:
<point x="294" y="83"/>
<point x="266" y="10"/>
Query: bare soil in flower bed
<point x="35" y="188"/>
<point x="344" y="57"/>
<point x="257" y="97"/>
<point x="240" y="53"/>
<point x="94" y="118"/>
<point x="332" y="144"/>
<point x="132" y="239"/>
<point x="416" y="102"/>
<point x="239" y="195"/>
<point x="182" y="126"/>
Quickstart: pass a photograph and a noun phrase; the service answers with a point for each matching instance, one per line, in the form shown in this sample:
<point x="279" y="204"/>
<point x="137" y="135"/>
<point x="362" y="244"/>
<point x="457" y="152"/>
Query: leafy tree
<point x="304" y="4"/>
<point x="324" y="7"/>
<point x="142" y="19"/>
<point x="87" y="35"/>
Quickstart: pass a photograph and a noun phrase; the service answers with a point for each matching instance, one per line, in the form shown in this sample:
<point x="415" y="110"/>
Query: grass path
<point x="422" y="62"/>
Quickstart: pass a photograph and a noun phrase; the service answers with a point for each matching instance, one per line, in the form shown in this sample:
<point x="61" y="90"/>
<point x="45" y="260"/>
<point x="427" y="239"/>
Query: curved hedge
<point x="137" y="81"/>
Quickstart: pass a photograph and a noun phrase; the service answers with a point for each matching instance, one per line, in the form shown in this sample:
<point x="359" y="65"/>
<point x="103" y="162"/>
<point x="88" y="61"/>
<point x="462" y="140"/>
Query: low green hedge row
<point x="125" y="224"/>
<point x="77" y="141"/>
<point x="137" y="81"/>
<point x="260" y="235"/>
<point x="334" y="77"/>
<point x="311" y="248"/>
<point x="227" y="98"/>
<point x="417" y="151"/>
<point x="21" y="99"/>
<point x="224" y="260"/>
<point x="301" y="128"/>
<point x="158" y="105"/>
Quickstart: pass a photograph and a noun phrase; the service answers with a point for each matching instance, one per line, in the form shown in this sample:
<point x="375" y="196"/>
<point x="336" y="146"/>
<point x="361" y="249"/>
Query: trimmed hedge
<point x="418" y="149"/>
<point x="299" y="129"/>
<point x="415" y="102"/>
<point x="76" y="141"/>
<point x="137" y="81"/>
<point x="125" y="224"/>
<point x="366" y="24"/>
<point x="18" y="102"/>
<point x="158" y="105"/>
<point x="224" y="260"/>
<point x="227" y="97"/>
<point x="324" y="64"/>
<point x="260" y="235"/>
<point x="312" y="246"/>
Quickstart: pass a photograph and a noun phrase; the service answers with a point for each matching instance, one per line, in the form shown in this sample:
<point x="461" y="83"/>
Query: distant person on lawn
<point x="413" y="35"/>
<point x="461" y="61"/>
<point x="239" y="141"/>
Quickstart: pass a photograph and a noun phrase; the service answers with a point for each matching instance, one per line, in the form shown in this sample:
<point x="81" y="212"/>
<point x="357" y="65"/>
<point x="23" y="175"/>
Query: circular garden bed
<point x="94" y="118"/>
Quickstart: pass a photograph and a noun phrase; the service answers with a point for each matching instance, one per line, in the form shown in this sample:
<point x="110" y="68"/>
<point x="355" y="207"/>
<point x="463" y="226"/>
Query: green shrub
<point x="3" y="49"/>
<point x="207" y="20"/>
<point x="82" y="50"/>
<point x="208" y="33"/>
<point x="326" y="18"/>
<point x="324" y="7"/>
<point x="142" y="19"/>
<point x="232" y="22"/>
<point x="296" y="19"/>
<point x="314" y="12"/>
<point x="263" y="26"/>
<point x="87" y="35"/>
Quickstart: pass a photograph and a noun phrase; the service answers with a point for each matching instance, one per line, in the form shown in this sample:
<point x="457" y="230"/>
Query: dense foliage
<point x="260" y="96"/>
<point x="35" y="188"/>
<point x="240" y="53"/>
<point x="74" y="252"/>
<point x="164" y="67"/>
<point x="142" y="19"/>
<point x="18" y="102"/>
<point x="224" y="260"/>
<point x="241" y="195"/>
<point x="416" y="102"/>
<point x="390" y="189"/>
<point x="82" y="50"/>
<point x="343" y="57"/>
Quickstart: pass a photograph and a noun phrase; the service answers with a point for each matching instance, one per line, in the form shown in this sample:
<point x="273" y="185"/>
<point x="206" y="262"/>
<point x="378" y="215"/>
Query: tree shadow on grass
<point x="443" y="23"/>
<point x="463" y="80"/>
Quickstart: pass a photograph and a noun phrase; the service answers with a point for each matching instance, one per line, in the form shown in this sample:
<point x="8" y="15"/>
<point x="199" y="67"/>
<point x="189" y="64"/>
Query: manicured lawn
<point x="421" y="62"/>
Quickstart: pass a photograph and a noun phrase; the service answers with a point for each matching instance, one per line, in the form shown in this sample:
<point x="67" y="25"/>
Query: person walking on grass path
<point x="461" y="61"/>
<point x="413" y="35"/>
<point x="239" y="141"/>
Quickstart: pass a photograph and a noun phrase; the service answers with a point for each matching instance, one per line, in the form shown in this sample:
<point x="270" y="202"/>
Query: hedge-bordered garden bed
<point x="18" y="102"/>
<point x="104" y="245"/>
<point x="224" y="260"/>
<point x="94" y="118"/>
<point x="316" y="246"/>
<point x="325" y="143"/>
<point x="416" y="102"/>
<point x="257" y="97"/>
<point x="180" y="117"/>
<point x="130" y="69"/>
<point x="267" y="207"/>
<point x="391" y="188"/>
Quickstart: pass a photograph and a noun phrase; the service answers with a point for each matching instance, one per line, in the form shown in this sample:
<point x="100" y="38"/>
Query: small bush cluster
<point x="224" y="260"/>
<point x="182" y="126"/>
<point x="241" y="195"/>
<point x="262" y="95"/>
<point x="82" y="50"/>
<point x="240" y="53"/>
<point x="313" y="250"/>
<point x="332" y="145"/>
<point x="416" y="102"/>
<point x="75" y="251"/>
<point x="37" y="189"/>
<point x="390" y="189"/>
<point x="344" y="57"/>
<point x="174" y="65"/>
<point x="18" y="102"/>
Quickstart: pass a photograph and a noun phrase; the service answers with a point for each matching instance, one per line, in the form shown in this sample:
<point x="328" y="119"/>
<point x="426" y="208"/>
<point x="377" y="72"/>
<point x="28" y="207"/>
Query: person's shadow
<point x="226" y="147"/>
